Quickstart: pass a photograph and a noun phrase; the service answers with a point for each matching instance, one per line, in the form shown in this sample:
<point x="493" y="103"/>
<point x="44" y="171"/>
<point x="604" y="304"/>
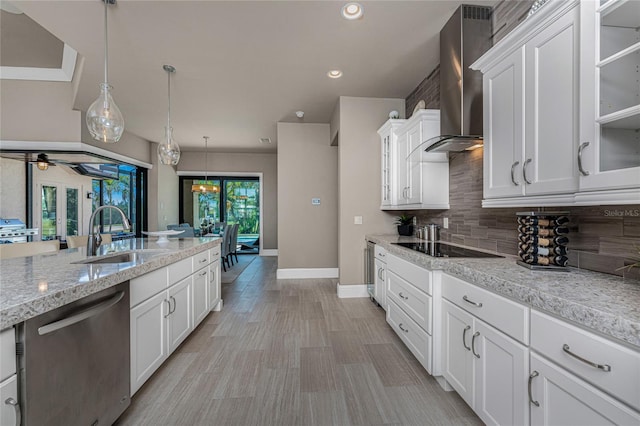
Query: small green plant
<point x="404" y="219"/>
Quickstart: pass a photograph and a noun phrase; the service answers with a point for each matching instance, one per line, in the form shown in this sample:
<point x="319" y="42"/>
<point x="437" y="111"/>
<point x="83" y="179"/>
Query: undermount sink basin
<point x="125" y="257"/>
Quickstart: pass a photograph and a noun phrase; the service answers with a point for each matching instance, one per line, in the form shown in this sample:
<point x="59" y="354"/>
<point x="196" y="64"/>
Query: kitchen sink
<point x="124" y="257"/>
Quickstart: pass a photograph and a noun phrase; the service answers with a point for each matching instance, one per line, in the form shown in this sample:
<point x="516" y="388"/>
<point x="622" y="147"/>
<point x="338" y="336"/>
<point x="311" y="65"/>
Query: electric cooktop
<point x="438" y="249"/>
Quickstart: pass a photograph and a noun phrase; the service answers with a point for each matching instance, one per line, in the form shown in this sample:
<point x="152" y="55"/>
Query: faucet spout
<point x="94" y="239"/>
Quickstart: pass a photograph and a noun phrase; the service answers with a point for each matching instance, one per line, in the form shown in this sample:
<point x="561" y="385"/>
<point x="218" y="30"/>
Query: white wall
<point x="13" y="189"/>
<point x="307" y="168"/>
<point x="359" y="187"/>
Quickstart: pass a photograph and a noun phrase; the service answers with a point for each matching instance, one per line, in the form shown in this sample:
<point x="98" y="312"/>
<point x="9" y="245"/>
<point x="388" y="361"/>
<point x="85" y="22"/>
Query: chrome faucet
<point x="94" y="240"/>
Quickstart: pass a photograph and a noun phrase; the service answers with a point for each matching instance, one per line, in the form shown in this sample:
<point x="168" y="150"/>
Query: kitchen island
<point x="30" y="286"/>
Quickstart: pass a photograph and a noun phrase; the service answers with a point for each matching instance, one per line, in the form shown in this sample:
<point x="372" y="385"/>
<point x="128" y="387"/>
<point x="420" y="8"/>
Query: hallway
<point x="290" y="352"/>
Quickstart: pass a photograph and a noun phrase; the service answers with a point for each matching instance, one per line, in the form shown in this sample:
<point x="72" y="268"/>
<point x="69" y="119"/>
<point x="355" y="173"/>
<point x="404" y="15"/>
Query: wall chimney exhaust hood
<point x="464" y="38"/>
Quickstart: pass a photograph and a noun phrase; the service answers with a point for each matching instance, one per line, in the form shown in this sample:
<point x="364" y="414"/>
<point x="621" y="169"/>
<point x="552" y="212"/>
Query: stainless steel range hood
<point x="465" y="37"/>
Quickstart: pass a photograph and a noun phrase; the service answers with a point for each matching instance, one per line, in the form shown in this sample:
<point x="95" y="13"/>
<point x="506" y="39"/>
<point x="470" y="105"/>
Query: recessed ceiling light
<point x="352" y="11"/>
<point x="334" y="74"/>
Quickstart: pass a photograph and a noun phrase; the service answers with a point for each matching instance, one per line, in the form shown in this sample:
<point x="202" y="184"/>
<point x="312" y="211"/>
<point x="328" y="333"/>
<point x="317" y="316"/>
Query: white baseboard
<point x="293" y="273"/>
<point x="348" y="291"/>
<point x="269" y="252"/>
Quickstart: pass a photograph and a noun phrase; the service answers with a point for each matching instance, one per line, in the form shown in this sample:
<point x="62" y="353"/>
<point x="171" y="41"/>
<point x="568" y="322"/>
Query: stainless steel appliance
<point x="15" y="231"/>
<point x="369" y="268"/>
<point x="73" y="362"/>
<point x="440" y="249"/>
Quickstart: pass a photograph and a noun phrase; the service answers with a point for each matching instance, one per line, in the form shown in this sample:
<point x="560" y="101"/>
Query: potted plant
<point x="405" y="224"/>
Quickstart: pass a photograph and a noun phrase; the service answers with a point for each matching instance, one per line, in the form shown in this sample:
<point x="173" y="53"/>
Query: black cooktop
<point x="444" y="250"/>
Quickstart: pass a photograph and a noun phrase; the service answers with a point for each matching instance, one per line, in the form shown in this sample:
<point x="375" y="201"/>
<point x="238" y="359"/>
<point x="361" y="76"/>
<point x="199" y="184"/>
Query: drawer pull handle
<point x="531" y="377"/>
<point x="604" y="367"/>
<point x="169" y="311"/>
<point x="524" y="171"/>
<point x="464" y="341"/>
<point x="203" y="260"/>
<point x="473" y="344"/>
<point x="174" y="304"/>
<point x="402" y="296"/>
<point x="471" y="302"/>
<point x="16" y="408"/>
<point x="202" y="274"/>
<point x="402" y="328"/>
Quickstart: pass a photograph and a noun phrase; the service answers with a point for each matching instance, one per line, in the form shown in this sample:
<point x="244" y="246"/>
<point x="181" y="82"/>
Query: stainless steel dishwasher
<point x="73" y="362"/>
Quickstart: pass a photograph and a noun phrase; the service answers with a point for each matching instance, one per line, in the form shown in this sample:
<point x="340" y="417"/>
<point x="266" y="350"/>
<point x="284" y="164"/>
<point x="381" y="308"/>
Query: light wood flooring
<point x="290" y="352"/>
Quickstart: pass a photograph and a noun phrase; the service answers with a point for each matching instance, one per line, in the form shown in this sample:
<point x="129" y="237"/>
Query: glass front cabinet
<point x="609" y="150"/>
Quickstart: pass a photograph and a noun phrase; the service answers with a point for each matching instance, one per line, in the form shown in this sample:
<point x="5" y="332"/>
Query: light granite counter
<point x="602" y="302"/>
<point x="30" y="286"/>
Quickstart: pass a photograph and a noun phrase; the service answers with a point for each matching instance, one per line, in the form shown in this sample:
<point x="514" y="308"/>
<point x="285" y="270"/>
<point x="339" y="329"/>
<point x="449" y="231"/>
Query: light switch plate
<point x="357" y="220"/>
<point x="445" y="223"/>
<point x="315" y="201"/>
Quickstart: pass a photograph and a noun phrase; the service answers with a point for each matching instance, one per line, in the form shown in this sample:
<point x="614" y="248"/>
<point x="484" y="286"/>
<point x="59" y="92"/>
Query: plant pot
<point x="406" y="230"/>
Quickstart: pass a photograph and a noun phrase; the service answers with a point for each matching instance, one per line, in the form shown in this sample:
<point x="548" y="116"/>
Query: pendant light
<point x="204" y="187"/>
<point x="104" y="119"/>
<point x="168" y="150"/>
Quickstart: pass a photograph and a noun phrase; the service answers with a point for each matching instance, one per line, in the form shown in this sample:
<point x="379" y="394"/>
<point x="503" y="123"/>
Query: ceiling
<point x="243" y="66"/>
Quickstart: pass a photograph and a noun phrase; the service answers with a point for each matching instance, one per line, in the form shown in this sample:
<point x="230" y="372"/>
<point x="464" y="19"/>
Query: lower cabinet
<point x="214" y="292"/>
<point x="560" y="398"/>
<point x="380" y="283"/>
<point x="180" y="320"/>
<point x="200" y="304"/>
<point x="487" y="368"/>
<point x="9" y="410"/>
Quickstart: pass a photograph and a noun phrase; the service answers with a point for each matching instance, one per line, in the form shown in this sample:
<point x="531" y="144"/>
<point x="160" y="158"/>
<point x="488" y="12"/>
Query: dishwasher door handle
<point x="80" y="316"/>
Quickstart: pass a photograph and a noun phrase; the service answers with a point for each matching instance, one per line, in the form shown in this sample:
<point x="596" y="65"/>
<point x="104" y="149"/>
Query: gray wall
<point x="221" y="163"/>
<point x="13" y="187"/>
<point x="359" y="168"/>
<point x="307" y="168"/>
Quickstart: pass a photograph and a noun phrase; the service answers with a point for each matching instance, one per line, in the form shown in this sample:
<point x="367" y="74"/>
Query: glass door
<point x="242" y="206"/>
<point x="59" y="211"/>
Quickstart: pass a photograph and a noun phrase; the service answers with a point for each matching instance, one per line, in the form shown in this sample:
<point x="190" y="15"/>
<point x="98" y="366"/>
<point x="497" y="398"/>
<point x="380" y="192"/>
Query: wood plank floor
<point x="290" y="352"/>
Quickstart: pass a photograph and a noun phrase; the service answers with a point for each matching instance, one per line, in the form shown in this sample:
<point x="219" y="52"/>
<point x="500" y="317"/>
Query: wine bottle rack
<point x="542" y="240"/>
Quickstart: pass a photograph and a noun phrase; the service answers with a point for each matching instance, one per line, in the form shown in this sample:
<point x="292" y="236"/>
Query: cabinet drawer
<point x="7" y="353"/>
<point x="180" y="270"/>
<point x="417" y="304"/>
<point x="416" y="339"/>
<point x="506" y="315"/>
<point x="549" y="337"/>
<point x="214" y="253"/>
<point x="414" y="274"/>
<point x="380" y="253"/>
<point x="143" y="287"/>
<point x="200" y="260"/>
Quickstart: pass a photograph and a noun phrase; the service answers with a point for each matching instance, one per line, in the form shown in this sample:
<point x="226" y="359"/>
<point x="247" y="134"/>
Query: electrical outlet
<point x="445" y="223"/>
<point x="415" y="221"/>
<point x="357" y="220"/>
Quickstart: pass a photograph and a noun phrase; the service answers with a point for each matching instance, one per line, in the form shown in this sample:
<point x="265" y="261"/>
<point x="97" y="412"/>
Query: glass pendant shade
<point x="168" y="150"/>
<point x="104" y="119"/>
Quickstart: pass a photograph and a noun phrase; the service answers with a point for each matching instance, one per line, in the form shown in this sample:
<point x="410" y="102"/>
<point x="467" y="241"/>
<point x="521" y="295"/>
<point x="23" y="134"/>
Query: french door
<point x="59" y="211"/>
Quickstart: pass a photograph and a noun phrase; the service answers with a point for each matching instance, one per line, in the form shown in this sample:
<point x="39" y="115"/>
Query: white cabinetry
<point x="9" y="408"/>
<point x="166" y="305"/>
<point x="485" y="366"/>
<point x="610" y="114"/>
<point x="561" y="124"/>
<point x="411" y="178"/>
<point x="380" y="279"/>
<point x="410" y="307"/>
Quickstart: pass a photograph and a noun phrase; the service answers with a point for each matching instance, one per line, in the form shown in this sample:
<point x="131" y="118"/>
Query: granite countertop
<point x="30" y="286"/>
<point x="605" y="303"/>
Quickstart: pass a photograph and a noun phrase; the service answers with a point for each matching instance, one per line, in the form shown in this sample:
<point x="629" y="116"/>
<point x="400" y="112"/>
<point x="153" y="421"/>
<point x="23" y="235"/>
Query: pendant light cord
<point x="106" y="42"/>
<point x="206" y="157"/>
<point x="169" y="102"/>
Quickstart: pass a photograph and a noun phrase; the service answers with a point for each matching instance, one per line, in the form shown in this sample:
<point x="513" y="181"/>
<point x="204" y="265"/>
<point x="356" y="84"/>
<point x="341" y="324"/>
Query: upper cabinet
<point x="549" y="137"/>
<point x="412" y="178"/>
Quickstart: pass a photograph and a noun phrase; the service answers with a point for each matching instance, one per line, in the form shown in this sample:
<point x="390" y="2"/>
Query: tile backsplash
<point x="601" y="238"/>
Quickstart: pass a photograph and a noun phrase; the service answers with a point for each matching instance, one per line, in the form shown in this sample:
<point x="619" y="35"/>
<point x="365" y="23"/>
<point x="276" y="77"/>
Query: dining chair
<point x="233" y="243"/>
<point x="74" y="241"/>
<point x="224" y="252"/>
<point x="8" y="251"/>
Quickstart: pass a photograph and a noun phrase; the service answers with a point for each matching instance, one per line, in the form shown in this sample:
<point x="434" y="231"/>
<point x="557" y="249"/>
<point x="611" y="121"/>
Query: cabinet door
<point x="401" y="173"/>
<point x="563" y="399"/>
<point x="200" y="305"/>
<point x="380" y="283"/>
<point x="414" y="165"/>
<point x="457" y="360"/>
<point x="551" y="94"/>
<point x="386" y="170"/>
<point x="501" y="371"/>
<point x="214" y="286"/>
<point x="503" y="123"/>
<point x="9" y="413"/>
<point x="148" y="338"/>
<point x="180" y="317"/>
